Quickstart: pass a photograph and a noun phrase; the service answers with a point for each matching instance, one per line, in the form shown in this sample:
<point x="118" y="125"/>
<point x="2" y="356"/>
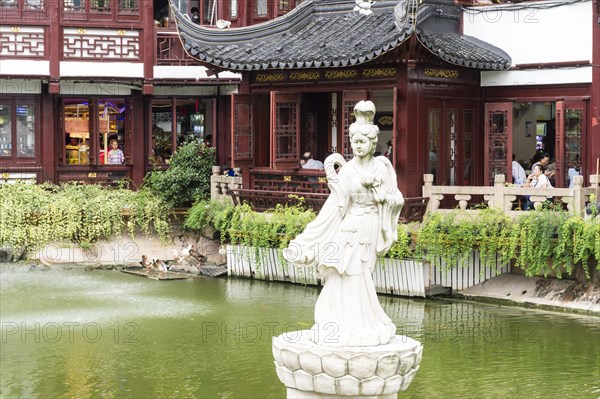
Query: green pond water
<point x="106" y="334"/>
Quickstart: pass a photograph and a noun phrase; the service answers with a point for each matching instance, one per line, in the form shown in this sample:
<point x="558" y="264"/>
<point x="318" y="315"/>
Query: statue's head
<point x="364" y="112"/>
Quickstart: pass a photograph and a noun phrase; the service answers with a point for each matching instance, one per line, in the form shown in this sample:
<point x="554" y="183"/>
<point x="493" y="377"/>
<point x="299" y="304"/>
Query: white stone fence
<point x="403" y="277"/>
<point x="506" y="198"/>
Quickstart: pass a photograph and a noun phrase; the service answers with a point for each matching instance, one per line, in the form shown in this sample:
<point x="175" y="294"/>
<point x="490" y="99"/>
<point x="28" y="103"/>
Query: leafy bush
<point x="188" y="177"/>
<point x="34" y="215"/>
<point x="241" y="225"/>
<point x="540" y="242"/>
<point x="214" y="214"/>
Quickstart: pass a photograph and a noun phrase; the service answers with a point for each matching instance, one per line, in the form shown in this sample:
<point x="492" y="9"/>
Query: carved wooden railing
<point x="272" y="187"/>
<point x="509" y="199"/>
<point x="263" y="200"/>
<point x="296" y="180"/>
<point x="169" y="50"/>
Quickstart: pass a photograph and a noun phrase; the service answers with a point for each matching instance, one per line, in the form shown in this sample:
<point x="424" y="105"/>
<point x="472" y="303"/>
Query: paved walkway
<point x="538" y="291"/>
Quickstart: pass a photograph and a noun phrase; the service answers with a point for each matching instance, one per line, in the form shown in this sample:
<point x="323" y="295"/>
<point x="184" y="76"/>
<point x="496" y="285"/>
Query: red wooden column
<point x="148" y="46"/>
<point x="139" y="137"/>
<point x="593" y="137"/>
<point x="410" y="138"/>
<point x="47" y="99"/>
<point x="48" y="139"/>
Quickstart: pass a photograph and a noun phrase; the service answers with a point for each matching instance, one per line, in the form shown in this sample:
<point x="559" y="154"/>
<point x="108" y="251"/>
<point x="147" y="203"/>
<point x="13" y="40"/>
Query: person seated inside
<point x="229" y="172"/>
<point x="154" y="158"/>
<point x="537" y="179"/>
<point x="542" y="163"/>
<point x="571" y="173"/>
<point x="518" y="173"/>
<point x="307" y="162"/>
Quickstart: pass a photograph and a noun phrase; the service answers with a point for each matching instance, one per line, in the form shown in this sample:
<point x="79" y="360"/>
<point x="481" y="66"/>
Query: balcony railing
<point x="169" y="50"/>
<point x="508" y="198"/>
<point x="443" y="199"/>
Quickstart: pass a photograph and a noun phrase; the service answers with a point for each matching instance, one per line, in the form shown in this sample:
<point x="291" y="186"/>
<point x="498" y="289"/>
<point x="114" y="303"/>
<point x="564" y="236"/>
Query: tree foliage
<point x="188" y="178"/>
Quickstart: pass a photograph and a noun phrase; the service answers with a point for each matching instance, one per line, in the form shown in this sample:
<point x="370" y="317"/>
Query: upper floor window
<point x="100" y="5"/>
<point x="24" y="4"/>
<point x="261" y="9"/>
<point x="209" y="11"/>
<point x="285" y="5"/>
<point x="74" y="5"/>
<point x="233" y="9"/>
<point x="128" y="6"/>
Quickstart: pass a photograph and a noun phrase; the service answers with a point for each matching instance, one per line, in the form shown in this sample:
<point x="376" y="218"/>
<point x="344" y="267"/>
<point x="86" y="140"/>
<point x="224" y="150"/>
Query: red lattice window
<point x="285" y="134"/>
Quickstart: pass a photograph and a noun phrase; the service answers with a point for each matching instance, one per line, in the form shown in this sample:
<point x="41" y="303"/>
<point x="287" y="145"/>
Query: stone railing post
<point x="578" y="196"/>
<point x="498" y="201"/>
<point x="215" y="182"/>
<point x="427" y="186"/>
<point x="237" y="182"/>
<point x="594" y="182"/>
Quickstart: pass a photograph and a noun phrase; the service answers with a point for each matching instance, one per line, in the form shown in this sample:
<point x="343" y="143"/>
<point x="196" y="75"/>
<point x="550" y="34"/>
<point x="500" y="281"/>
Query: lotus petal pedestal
<point x="309" y="370"/>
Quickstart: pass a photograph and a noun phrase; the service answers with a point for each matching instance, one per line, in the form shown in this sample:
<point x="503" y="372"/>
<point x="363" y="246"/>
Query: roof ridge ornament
<point x="363" y="6"/>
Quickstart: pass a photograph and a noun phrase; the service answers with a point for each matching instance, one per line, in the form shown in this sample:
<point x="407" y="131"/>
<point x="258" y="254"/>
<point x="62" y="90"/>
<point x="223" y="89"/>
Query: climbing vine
<point x="35" y="215"/>
<point x="540" y="242"/>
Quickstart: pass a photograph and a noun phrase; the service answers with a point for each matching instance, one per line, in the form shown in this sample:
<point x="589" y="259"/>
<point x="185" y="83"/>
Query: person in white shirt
<point x="572" y="172"/>
<point x="518" y="173"/>
<point x="308" y="162"/>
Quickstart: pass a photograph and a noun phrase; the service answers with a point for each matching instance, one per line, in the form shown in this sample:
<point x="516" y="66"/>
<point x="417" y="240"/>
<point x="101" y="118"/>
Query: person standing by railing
<point x="518" y="173"/>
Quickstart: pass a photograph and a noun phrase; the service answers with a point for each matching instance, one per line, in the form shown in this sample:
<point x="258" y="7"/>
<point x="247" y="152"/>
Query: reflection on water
<point x="111" y="335"/>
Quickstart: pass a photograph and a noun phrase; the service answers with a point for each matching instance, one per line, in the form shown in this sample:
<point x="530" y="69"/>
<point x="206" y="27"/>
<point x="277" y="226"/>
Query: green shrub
<point x="540" y="242"/>
<point x="188" y="178"/>
<point x="241" y="225"/>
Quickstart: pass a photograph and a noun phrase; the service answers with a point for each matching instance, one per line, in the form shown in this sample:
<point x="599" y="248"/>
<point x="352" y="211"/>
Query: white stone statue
<point x="357" y="223"/>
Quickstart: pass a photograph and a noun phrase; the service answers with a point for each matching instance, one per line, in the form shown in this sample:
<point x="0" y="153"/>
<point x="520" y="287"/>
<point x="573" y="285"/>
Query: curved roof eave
<point x="466" y="51"/>
<point x="329" y="34"/>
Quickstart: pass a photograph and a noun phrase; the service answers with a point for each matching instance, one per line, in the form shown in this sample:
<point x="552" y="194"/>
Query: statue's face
<point x="361" y="145"/>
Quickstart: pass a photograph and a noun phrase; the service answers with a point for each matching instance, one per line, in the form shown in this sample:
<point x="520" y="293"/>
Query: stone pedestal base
<point x="309" y="370"/>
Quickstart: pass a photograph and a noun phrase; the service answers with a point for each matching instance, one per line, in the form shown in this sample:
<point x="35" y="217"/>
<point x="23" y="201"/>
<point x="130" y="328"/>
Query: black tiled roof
<point x="328" y="33"/>
<point x="465" y="51"/>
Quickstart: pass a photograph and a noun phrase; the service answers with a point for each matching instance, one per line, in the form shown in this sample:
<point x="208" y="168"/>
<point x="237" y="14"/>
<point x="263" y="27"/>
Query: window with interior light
<point x="174" y="122"/>
<point x="261" y="8"/>
<point x="18" y="124"/>
<point x="95" y="131"/>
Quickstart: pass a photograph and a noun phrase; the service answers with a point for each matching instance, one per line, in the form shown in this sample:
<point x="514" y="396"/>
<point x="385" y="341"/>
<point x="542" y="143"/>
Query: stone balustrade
<point x="220" y="183"/>
<point x="507" y="198"/>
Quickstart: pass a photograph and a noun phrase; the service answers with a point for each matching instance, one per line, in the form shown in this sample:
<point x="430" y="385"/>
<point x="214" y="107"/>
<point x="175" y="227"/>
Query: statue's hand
<point x="367" y="181"/>
<point x="371" y="181"/>
<point x="394" y="198"/>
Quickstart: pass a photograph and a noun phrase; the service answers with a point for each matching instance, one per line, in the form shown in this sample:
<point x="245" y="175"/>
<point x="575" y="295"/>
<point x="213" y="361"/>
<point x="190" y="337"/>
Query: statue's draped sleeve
<point x="389" y="210"/>
<point x="316" y="245"/>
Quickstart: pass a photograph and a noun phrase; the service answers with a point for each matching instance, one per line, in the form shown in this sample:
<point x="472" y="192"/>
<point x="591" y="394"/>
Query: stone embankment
<point x="538" y="292"/>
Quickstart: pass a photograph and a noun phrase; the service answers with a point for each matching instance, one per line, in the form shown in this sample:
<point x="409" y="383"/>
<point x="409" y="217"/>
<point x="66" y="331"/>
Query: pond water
<point x="106" y="334"/>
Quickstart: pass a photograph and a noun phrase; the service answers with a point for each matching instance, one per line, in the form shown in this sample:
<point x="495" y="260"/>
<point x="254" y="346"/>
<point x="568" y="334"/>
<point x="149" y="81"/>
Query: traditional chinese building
<point x="76" y="75"/>
<point x="440" y="76"/>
